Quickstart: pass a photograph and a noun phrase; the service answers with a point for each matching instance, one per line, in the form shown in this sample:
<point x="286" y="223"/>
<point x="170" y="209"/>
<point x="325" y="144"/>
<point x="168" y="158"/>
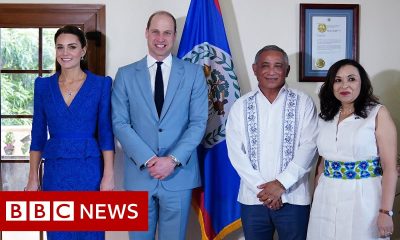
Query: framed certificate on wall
<point x="328" y="33"/>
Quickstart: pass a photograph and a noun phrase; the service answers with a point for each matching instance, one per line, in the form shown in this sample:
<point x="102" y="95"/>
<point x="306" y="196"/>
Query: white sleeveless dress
<point x="345" y="209"/>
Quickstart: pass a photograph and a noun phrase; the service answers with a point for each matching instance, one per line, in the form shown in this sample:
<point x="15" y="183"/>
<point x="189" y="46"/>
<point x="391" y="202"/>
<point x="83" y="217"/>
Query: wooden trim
<point x="25" y="71"/>
<point x="5" y="7"/>
<point x="40" y="51"/>
<point x="306" y="74"/>
<point x="101" y="27"/>
<point x="14" y="161"/>
<point x="16" y="116"/>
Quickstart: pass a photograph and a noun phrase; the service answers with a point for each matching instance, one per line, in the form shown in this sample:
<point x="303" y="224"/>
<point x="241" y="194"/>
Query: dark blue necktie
<point x="159" y="89"/>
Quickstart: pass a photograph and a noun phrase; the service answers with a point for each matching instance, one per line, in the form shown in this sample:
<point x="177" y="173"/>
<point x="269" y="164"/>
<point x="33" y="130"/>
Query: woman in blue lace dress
<point x="73" y="105"/>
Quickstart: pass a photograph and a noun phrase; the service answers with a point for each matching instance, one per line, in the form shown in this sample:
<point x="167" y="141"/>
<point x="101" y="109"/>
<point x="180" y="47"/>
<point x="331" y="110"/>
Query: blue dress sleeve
<point x="104" y="131"/>
<point x="39" y="122"/>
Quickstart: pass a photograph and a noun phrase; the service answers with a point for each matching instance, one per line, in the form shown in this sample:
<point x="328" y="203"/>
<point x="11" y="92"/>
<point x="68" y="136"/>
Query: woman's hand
<point x="32" y="185"/>
<point x="107" y="183"/>
<point x="385" y="225"/>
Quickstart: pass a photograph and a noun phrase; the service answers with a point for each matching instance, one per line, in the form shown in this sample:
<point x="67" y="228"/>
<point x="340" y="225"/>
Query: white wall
<point x="254" y="23"/>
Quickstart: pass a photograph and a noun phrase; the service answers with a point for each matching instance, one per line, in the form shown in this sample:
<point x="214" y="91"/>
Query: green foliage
<point x="19" y="48"/>
<point x="20" y="51"/>
<point x="48" y="50"/>
<point x="25" y="148"/>
<point x="9" y="138"/>
<point x="16" y="97"/>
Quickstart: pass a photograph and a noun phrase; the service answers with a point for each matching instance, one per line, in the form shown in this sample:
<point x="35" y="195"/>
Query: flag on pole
<point x="204" y="42"/>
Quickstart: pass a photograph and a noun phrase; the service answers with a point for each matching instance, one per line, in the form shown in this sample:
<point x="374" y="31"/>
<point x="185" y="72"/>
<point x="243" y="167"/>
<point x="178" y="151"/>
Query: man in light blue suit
<point x="159" y="135"/>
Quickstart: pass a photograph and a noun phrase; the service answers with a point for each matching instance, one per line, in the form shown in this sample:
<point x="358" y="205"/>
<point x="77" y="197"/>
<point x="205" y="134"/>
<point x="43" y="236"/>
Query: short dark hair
<point x="272" y="48"/>
<point x="70" y="29"/>
<point x="330" y="105"/>
<point x="161" y="13"/>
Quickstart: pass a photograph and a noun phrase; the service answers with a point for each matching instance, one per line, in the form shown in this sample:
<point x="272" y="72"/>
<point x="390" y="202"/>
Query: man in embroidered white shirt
<point x="271" y="135"/>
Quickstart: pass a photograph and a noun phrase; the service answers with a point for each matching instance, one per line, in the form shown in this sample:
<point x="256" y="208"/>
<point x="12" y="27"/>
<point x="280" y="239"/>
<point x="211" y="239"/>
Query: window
<point x="26" y="52"/>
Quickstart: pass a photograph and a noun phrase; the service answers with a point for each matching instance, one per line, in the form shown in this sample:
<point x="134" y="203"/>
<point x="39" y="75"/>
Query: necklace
<point x="69" y="93"/>
<point x="346" y="112"/>
<point x="69" y="88"/>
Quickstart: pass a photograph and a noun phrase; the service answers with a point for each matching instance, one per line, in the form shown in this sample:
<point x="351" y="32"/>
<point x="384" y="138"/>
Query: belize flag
<point x="204" y="42"/>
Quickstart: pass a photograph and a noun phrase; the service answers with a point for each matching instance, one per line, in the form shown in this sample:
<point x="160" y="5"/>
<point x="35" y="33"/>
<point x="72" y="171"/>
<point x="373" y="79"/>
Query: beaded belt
<point x="353" y="170"/>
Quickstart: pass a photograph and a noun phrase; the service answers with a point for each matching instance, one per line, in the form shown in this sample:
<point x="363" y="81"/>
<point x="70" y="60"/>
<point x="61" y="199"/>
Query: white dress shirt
<point x="295" y="177"/>
<point x="166" y="71"/>
<point x="165" y="68"/>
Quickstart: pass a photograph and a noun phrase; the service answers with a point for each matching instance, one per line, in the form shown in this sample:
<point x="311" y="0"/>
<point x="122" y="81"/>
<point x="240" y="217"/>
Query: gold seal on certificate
<point x="321" y="27"/>
<point x="320" y="63"/>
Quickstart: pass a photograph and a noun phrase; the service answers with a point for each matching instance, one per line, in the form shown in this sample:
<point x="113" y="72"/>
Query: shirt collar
<point x="283" y="89"/>
<point x="151" y="61"/>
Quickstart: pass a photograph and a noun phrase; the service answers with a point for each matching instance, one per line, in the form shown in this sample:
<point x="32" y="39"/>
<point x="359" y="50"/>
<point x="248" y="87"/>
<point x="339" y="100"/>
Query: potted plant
<point x="9" y="141"/>
<point x="26" y="142"/>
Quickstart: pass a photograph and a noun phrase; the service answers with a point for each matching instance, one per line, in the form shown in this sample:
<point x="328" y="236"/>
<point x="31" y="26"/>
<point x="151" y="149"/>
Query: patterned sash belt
<point x="353" y="170"/>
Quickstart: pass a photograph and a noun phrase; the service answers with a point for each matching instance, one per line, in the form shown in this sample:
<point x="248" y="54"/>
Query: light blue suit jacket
<point x="178" y="131"/>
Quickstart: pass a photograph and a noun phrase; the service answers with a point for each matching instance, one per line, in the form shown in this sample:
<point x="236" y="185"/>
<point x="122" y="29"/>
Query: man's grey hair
<point x="272" y="48"/>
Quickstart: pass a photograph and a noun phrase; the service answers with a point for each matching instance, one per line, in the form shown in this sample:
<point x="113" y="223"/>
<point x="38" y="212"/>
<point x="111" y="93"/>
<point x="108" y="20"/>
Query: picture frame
<point x="328" y="33"/>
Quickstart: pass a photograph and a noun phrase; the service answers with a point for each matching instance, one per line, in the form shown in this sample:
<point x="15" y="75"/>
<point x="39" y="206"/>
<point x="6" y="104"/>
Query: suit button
<point x="160" y="130"/>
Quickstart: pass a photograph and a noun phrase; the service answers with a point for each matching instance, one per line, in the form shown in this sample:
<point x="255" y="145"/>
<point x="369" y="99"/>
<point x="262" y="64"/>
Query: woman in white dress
<point x="356" y="175"/>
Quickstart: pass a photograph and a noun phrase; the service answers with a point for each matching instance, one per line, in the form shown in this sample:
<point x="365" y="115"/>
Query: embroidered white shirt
<point x="295" y="177"/>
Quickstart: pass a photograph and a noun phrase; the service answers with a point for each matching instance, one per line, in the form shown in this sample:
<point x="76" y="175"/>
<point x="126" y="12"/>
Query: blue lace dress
<point x="78" y="134"/>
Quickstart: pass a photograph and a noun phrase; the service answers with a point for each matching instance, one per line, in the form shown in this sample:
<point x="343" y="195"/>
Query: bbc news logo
<point x="39" y="211"/>
<point x="64" y="211"/>
<point x="80" y="211"/>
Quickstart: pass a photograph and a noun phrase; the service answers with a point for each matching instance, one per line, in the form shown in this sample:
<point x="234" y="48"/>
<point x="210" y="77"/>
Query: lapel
<point x="175" y="78"/>
<point x="83" y="94"/>
<point x="58" y="99"/>
<point x="77" y="105"/>
<point x="78" y="99"/>
<point x="143" y="80"/>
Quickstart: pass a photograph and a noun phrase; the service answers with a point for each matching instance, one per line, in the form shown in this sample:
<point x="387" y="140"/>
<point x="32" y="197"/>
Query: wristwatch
<point x="387" y="212"/>
<point x="176" y="161"/>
